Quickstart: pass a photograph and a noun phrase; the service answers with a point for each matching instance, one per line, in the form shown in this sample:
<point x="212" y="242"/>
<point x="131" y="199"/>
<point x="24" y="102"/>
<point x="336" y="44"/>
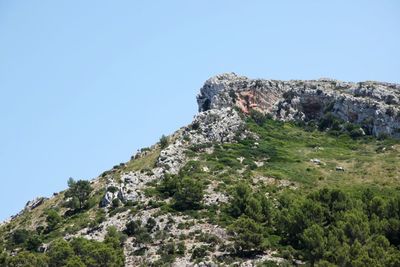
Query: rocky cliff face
<point x="373" y="105"/>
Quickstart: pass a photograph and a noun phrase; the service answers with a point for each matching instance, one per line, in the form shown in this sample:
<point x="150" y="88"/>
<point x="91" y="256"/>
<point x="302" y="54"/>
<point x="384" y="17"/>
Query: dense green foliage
<point x="245" y="202"/>
<point x="141" y="233"/>
<point x="185" y="191"/>
<point x="20" y="236"/>
<point x="79" y="252"/>
<point x="163" y="141"/>
<point x="248" y="236"/>
<point x="327" y="225"/>
<point x="53" y="219"/>
<point x="330" y="224"/>
<point x="78" y="193"/>
<point x="168" y="252"/>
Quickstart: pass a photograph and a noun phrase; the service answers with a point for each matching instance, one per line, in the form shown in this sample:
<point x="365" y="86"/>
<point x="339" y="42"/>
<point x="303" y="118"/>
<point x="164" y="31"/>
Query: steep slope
<point x="269" y="172"/>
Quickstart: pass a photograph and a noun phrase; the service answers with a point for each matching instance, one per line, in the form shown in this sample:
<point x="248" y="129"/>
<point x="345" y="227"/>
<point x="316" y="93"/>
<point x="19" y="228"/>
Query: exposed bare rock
<point x="213" y="196"/>
<point x="212" y="126"/>
<point x="316" y="161"/>
<point x="339" y="169"/>
<point x="280" y="183"/>
<point x="374" y="105"/>
<point x="33" y="204"/>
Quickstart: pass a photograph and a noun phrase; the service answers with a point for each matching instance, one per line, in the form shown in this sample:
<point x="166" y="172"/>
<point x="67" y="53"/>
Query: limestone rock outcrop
<point x="373" y="105"/>
<point x="212" y="126"/>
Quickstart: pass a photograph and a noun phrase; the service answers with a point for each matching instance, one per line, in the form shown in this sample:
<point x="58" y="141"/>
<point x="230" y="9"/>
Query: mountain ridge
<point x="261" y="133"/>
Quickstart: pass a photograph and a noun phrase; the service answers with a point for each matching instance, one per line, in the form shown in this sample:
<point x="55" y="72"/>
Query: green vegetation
<point x="77" y="252"/>
<point x="53" y="219"/>
<point x="286" y="150"/>
<point x="169" y="251"/>
<point x="141" y="233"/>
<point x="340" y="228"/>
<point x="25" y="259"/>
<point x="345" y="218"/>
<point x="188" y="195"/>
<point x="143" y="163"/>
<point x="186" y="192"/>
<point x="20" y="236"/>
<point x="248" y="236"/>
<point x="164" y="142"/>
<point x="321" y="192"/>
<point x="245" y="202"/>
<point x="258" y="117"/>
<point x="78" y="194"/>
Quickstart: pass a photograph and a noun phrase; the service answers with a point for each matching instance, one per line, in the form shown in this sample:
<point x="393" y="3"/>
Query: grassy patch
<point x="295" y="147"/>
<point x="145" y="162"/>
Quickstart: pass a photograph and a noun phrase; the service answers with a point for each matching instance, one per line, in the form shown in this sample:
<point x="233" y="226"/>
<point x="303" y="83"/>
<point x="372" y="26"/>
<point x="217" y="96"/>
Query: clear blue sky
<point x="83" y="84"/>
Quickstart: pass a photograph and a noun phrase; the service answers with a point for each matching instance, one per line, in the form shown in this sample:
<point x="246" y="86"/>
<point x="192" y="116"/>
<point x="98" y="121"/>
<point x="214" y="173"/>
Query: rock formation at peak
<point x="373" y="105"/>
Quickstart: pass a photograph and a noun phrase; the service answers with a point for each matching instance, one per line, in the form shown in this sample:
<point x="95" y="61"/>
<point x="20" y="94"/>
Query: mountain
<point x="269" y="173"/>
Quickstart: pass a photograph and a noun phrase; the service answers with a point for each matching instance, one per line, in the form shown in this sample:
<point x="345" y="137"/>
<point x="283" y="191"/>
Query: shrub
<point x="328" y="121"/>
<point x="356" y="133"/>
<point x="33" y="243"/>
<point x="132" y="228"/>
<point x="258" y="117"/>
<point x="59" y="252"/>
<point x="383" y="136"/>
<point x="116" y="203"/>
<point x="20" y="236"/>
<point x="181" y="248"/>
<point x="26" y="259"/>
<point x="247" y="236"/>
<point x="94" y="253"/>
<point x="112" y="189"/>
<point x="199" y="252"/>
<point x="151" y="223"/>
<point x="232" y="95"/>
<point x="75" y="261"/>
<point x="314" y="242"/>
<point x="169" y="185"/>
<point x="100" y="216"/>
<point x="186" y="192"/>
<point x="78" y="193"/>
<point x="245" y="202"/>
<point x="188" y="195"/>
<point x="76" y="253"/>
<point x="52" y="219"/>
<point x="114" y="238"/>
<point x="163" y="141"/>
<point x="135" y="228"/>
<point x="168" y="254"/>
<point x="143" y="237"/>
<point x="195" y="126"/>
<point x="241" y="194"/>
<point x="3" y="257"/>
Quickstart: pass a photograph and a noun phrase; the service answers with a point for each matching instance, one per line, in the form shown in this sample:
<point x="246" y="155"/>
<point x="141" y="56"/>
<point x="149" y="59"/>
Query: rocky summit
<point x="269" y="173"/>
<point x="375" y="105"/>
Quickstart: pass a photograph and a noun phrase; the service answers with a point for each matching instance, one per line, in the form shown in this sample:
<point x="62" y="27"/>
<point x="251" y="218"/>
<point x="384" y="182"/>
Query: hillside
<point x="269" y="173"/>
